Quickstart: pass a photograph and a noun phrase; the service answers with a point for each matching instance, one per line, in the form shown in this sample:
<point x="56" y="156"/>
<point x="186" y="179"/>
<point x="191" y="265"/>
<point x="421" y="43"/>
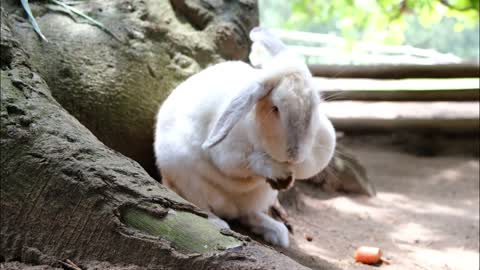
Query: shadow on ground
<point x="425" y="215"/>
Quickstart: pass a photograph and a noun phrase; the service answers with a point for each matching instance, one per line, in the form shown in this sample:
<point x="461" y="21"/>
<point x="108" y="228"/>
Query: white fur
<point x="227" y="175"/>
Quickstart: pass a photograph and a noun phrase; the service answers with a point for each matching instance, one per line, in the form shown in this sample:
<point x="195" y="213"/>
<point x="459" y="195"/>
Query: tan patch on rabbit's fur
<point x="284" y="134"/>
<point x="270" y="129"/>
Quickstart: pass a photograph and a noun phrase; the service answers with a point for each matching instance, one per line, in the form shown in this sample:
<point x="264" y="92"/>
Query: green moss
<point x="186" y="231"/>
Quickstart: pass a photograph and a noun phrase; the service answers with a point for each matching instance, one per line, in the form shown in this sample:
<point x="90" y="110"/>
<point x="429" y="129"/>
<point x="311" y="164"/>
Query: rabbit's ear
<point x="239" y="106"/>
<point x="268" y="40"/>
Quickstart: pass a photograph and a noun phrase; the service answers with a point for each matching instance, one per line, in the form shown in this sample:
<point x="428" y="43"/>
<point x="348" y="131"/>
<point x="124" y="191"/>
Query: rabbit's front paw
<point x="274" y="232"/>
<point x="277" y="235"/>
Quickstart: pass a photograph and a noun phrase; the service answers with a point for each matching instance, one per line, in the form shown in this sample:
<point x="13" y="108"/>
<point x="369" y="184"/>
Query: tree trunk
<point x="64" y="194"/>
<point x="114" y="86"/>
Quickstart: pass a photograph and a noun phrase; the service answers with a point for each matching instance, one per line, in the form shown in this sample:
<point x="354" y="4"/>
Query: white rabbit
<point x="224" y="131"/>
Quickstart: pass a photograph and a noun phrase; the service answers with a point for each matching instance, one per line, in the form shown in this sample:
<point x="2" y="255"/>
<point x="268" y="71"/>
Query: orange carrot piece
<point x="368" y="255"/>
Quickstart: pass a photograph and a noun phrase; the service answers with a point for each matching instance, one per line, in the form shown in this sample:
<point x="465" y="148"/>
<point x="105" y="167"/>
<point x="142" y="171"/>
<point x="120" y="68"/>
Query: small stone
<point x="308" y="237"/>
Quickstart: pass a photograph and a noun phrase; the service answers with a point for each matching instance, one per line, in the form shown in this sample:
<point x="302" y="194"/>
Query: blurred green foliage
<point x="444" y="25"/>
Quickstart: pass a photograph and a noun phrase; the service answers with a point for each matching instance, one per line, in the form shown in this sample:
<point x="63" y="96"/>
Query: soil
<point x="425" y="214"/>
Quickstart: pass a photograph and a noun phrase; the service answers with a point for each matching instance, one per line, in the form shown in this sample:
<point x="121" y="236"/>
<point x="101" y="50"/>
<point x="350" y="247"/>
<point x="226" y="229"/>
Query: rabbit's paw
<point x="277" y="235"/>
<point x="274" y="232"/>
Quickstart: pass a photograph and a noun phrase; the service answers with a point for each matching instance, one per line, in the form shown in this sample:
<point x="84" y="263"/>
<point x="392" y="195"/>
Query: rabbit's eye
<point x="275" y="109"/>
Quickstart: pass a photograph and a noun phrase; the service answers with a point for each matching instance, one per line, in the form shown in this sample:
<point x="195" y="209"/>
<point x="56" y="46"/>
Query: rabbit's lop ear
<point x="268" y="40"/>
<point x="238" y="107"/>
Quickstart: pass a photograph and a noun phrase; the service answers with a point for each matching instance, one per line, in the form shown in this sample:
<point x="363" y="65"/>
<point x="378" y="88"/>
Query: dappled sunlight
<point x="420" y="244"/>
<point x="315" y="250"/>
<point x="425" y="214"/>
<point x="358" y="206"/>
<point x="450" y="174"/>
<point x="412" y="232"/>
<point x="470" y="203"/>
<point x="386" y="205"/>
<point x="450" y="258"/>
<point x="457" y="173"/>
<point x="402" y="202"/>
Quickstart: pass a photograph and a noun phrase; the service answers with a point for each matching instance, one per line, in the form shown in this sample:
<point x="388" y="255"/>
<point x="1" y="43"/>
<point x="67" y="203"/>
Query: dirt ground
<point x="425" y="214"/>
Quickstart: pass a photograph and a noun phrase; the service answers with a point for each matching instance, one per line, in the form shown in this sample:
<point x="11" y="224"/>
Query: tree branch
<point x="449" y="5"/>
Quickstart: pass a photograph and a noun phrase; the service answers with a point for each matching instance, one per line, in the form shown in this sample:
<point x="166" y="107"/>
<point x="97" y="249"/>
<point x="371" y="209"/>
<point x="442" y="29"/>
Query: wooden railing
<point x="464" y="70"/>
<point x="332" y="49"/>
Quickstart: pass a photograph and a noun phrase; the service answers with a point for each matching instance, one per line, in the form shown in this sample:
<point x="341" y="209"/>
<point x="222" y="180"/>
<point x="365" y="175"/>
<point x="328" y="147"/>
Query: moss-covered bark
<point x="64" y="194"/>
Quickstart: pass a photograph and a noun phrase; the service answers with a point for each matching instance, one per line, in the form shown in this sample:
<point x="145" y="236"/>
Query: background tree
<point x="453" y="24"/>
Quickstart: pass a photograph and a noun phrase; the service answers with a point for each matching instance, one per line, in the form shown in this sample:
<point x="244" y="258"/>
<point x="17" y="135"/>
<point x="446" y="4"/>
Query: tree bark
<point x="114" y="86"/>
<point x="64" y="194"/>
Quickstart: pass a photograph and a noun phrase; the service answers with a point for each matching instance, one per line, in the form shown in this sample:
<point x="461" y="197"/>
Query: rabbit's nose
<point x="294" y="156"/>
